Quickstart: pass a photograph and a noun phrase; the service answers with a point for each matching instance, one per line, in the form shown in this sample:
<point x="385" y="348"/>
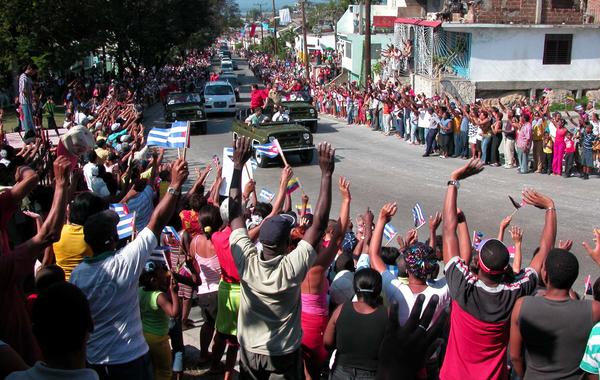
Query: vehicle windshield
<point x="219" y="90"/>
<point x="297" y="97"/>
<point x="232" y="81"/>
<point x="183" y="98"/>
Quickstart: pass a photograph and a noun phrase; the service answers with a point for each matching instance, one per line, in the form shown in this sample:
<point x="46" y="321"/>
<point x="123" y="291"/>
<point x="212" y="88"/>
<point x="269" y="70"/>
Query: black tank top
<point x="358" y="337"/>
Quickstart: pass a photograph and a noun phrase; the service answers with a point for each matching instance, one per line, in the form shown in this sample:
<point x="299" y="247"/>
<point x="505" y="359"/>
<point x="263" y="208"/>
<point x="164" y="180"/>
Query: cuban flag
<point x="174" y="137"/>
<point x="126" y="225"/>
<point x="389" y="231"/>
<point x="266" y="195"/>
<point x="270" y="150"/>
<point x="418" y="217"/>
<point x="171" y="230"/>
<point x="254" y="164"/>
<point x="120" y="208"/>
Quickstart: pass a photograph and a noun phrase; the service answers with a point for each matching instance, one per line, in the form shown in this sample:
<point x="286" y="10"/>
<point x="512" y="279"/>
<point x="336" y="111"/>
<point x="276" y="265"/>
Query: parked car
<point x="294" y="138"/>
<point x="219" y="97"/>
<point x="233" y="81"/>
<point x="300" y="109"/>
<point x="186" y="106"/>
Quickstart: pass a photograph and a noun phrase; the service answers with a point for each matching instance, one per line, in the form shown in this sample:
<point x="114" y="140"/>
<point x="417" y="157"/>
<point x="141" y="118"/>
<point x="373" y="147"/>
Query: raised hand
<point x="179" y="173"/>
<point x="474" y="166"/>
<point x="537" y="199"/>
<point x="326" y="157"/>
<point x="411" y="237"/>
<point x="305" y="199"/>
<point x="62" y="171"/>
<point x="435" y="221"/>
<point x="565" y="244"/>
<point x="506" y="222"/>
<point x="388" y="211"/>
<point x="286" y="175"/>
<point x="242" y="151"/>
<point x="401" y="243"/>
<point x="249" y="188"/>
<point x="344" y="185"/>
<point x="516" y="233"/>
<point x="594" y="252"/>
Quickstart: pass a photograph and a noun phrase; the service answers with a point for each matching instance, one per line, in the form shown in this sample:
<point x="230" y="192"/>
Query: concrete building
<point x="506" y="46"/>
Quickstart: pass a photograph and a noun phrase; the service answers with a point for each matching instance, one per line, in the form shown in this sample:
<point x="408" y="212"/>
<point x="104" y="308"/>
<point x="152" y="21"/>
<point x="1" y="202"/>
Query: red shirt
<point x="257" y="98"/>
<point x="220" y="240"/>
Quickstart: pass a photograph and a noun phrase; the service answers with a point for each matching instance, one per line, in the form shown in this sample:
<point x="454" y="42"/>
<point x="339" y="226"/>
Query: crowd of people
<point x="283" y="294"/>
<point x="524" y="135"/>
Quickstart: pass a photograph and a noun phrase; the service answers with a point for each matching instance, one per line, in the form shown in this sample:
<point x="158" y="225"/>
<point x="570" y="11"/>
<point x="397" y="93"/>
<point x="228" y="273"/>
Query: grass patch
<point x="559" y="107"/>
<point x="11" y="122"/>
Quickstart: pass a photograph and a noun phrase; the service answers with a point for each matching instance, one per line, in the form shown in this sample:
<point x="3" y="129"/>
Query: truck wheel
<point x="306" y="156"/>
<point x="261" y="160"/>
<point x="313" y="127"/>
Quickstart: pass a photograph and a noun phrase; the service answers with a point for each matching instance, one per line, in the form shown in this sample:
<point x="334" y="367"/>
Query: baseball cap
<point x="276" y="229"/>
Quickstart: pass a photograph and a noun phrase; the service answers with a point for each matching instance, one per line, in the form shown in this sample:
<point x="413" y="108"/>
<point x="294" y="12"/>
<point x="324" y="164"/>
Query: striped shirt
<point x="591" y="358"/>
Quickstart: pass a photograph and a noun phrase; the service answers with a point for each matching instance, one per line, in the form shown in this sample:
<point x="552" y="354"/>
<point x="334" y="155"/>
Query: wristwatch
<point x="173" y="191"/>
<point x="454" y="183"/>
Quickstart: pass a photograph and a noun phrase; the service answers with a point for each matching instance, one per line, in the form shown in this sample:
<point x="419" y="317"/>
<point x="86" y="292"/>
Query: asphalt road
<point x="385" y="169"/>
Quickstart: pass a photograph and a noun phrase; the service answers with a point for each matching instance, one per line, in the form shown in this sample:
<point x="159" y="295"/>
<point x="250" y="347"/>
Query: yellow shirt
<point x="537" y="133"/>
<point x="71" y="248"/>
<point x="457" y="121"/>
<point x="102" y="155"/>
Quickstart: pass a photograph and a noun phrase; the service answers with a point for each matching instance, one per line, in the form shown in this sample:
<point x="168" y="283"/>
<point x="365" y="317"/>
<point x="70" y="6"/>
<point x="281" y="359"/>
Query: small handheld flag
<point x="254" y="164"/>
<point x="477" y="238"/>
<point x="389" y="232"/>
<point x="120" y="208"/>
<point x="266" y="195"/>
<point x="516" y="205"/>
<point x="300" y="208"/>
<point x="126" y="225"/>
<point x="588" y="286"/>
<point x="171" y="230"/>
<point x="270" y="150"/>
<point x="418" y="217"/>
<point x="174" y="137"/>
<point x="293" y="185"/>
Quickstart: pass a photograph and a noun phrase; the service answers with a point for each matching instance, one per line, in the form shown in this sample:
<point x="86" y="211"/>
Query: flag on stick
<point x="293" y="185"/>
<point x="269" y="150"/>
<point x="120" y="208"/>
<point x="171" y="230"/>
<point x="174" y="137"/>
<point x="300" y="208"/>
<point x="266" y="195"/>
<point x="418" y="217"/>
<point x="126" y="225"/>
<point x="389" y="231"/>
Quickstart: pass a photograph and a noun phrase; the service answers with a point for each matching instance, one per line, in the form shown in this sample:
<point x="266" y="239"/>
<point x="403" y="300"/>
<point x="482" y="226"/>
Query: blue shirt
<point x="464" y="124"/>
<point x="143" y="206"/>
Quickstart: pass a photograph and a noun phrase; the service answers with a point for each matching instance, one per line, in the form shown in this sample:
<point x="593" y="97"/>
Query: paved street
<point x="384" y="169"/>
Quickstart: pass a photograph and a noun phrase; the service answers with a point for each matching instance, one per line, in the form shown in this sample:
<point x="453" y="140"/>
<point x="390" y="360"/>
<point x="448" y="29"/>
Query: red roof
<point x="384" y="21"/>
<point x="417" y="21"/>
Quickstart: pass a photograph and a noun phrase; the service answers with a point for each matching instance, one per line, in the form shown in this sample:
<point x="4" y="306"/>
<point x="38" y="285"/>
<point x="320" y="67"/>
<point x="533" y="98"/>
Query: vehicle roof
<point x="217" y="83"/>
<point x="228" y="74"/>
<point x="183" y="92"/>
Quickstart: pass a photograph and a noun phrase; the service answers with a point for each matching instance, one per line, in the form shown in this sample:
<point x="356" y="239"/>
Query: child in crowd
<point x="569" y="159"/>
<point x="548" y="145"/>
<point x="155" y="308"/>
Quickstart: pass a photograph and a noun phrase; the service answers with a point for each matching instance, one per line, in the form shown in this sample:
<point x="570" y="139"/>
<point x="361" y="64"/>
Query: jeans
<point x="569" y="160"/>
<point x="350" y="115"/>
<point x="461" y="144"/>
<point x="387" y="122"/>
<point x="421" y="135"/>
<point x="138" y="369"/>
<point x="496" y="140"/>
<point x="485" y="144"/>
<point x="547" y="163"/>
<point x="431" y="133"/>
<point x="523" y="160"/>
<point x="348" y="373"/>
<point x="374" y="120"/>
<point x="177" y="347"/>
<point x="413" y="132"/>
<point x="445" y="144"/>
<point x="399" y="125"/>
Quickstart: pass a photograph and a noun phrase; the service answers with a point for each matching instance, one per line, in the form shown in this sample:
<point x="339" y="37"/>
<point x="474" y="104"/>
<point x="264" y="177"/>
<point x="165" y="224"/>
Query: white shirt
<point x="110" y="283"/>
<point x="400" y="293"/>
<point x="40" y="372"/>
<point x="342" y="287"/>
<point x="280" y="116"/>
<point x="98" y="187"/>
<point x="87" y="174"/>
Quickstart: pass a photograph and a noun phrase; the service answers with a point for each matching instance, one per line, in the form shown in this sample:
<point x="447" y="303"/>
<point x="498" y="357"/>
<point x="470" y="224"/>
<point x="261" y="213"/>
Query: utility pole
<point x="304" y="40"/>
<point x="274" y="31"/>
<point x="261" y="23"/>
<point x="367" y="40"/>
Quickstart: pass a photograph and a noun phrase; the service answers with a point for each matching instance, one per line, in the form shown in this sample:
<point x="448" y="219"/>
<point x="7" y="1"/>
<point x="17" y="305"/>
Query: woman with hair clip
<point x="356" y="327"/>
<point x="202" y="250"/>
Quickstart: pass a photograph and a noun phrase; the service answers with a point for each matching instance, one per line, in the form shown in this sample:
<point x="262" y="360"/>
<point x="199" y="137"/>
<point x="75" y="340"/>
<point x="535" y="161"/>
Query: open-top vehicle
<point x="186" y="106"/>
<point x="294" y="138"/>
<point x="300" y="109"/>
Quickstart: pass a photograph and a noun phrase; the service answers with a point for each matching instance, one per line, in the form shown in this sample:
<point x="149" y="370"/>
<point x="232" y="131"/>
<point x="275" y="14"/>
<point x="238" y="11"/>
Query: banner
<point x="252" y="30"/>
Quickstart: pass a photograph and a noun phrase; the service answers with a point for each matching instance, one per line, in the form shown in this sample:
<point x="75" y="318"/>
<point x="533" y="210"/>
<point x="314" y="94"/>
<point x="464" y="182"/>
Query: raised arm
<point x="434" y="223"/>
<point x="286" y="175"/>
<point x="163" y="212"/>
<point x="26" y="180"/>
<point x="327" y="164"/>
<point x="464" y="238"/>
<point x="450" y="239"/>
<point x="549" y="233"/>
<point x="503" y="226"/>
<point x="241" y="154"/>
<point x="517" y="236"/>
<point x="385" y="215"/>
<point x="325" y="258"/>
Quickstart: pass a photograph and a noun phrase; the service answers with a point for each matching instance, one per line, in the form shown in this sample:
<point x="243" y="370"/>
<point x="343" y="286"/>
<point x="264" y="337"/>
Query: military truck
<point x="294" y="138"/>
<point x="186" y="106"/>
<point x="299" y="107"/>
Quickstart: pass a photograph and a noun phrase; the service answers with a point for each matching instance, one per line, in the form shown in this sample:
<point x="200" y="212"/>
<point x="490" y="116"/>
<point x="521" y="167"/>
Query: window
<point x="375" y="51"/>
<point x="562" y="4"/>
<point x="348" y="50"/>
<point x="218" y="90"/>
<point x="557" y="49"/>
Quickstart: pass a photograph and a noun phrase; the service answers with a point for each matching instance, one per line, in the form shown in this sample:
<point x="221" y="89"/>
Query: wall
<point x="515" y="54"/>
<point x="523" y="12"/>
<point x="461" y="89"/>
<point x="593" y="9"/>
